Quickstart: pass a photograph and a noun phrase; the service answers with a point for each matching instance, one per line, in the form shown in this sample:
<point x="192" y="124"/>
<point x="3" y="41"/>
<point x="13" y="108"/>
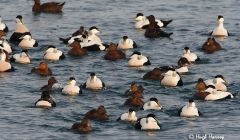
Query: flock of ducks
<point x="84" y="41"/>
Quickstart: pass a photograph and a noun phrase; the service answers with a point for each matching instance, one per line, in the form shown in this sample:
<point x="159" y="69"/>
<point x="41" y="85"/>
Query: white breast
<point x="4" y="66"/>
<point x="71" y="90"/>
<point x="94" y="84"/>
<point x="21" y="58"/>
<point x="43" y="103"/>
<point x="218" y="95"/>
<point x="149" y="124"/>
<point x="189" y="112"/>
<point x="151" y="105"/>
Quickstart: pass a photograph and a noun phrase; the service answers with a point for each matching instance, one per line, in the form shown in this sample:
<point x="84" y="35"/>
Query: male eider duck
<point x="53" y="54"/>
<point x="191" y="57"/>
<point x="76" y="34"/>
<point x="152" y="104"/>
<point x="126" y="43"/>
<point x="130" y="116"/>
<point x="153" y="32"/>
<point x="113" y="53"/>
<point x="182" y="65"/>
<point x="94" y="83"/>
<point x="5" y="66"/>
<point x="219" y="82"/>
<point x="201" y="85"/>
<point x="211" y="45"/>
<point x="138" y="60"/>
<point x="154" y="74"/>
<point x="49" y="7"/>
<point x="99" y="114"/>
<point x="42" y="69"/>
<point x="3" y="26"/>
<point x="142" y="22"/>
<point x="52" y="85"/>
<point x="92" y="43"/>
<point x="171" y="78"/>
<point x="220" y="30"/>
<point x="83" y="127"/>
<point x="27" y="42"/>
<point x="45" y="101"/>
<point x="22" y="57"/>
<point x="189" y="110"/>
<point x="71" y="88"/>
<point x="20" y="30"/>
<point x="76" y="49"/>
<point x="148" y="123"/>
<point x="6" y="45"/>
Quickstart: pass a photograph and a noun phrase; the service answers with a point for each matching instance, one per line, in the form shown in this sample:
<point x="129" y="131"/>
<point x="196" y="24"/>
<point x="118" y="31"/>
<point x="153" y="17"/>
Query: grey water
<point x="192" y="21"/>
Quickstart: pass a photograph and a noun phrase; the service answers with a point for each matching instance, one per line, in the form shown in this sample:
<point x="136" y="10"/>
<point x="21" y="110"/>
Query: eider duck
<point x="83" y="127"/>
<point x="93" y="82"/>
<point x="134" y="101"/>
<point x="3" y="26"/>
<point x="220" y="30"/>
<point x="27" y="42"/>
<point x="189" y="110"/>
<point x="182" y="65"/>
<point x="138" y="60"/>
<point x="152" y="104"/>
<point x="154" y="74"/>
<point x="126" y="43"/>
<point x="53" y="54"/>
<point x="76" y="34"/>
<point x="5" y="66"/>
<point x="49" y="7"/>
<point x="130" y="116"/>
<point x="2" y="34"/>
<point x="171" y="78"/>
<point x="219" y="82"/>
<point x="201" y="85"/>
<point x="211" y="45"/>
<point x="52" y="85"/>
<point x="6" y="45"/>
<point x="99" y="114"/>
<point x="91" y="43"/>
<point x="133" y="89"/>
<point x="76" y="49"/>
<point x="42" y="69"/>
<point x="191" y="57"/>
<point x="148" y="123"/>
<point x="71" y="88"/>
<point x="45" y="101"/>
<point x="113" y="53"/>
<point x="22" y="57"/>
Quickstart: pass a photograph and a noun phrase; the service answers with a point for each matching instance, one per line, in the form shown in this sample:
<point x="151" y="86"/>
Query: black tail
<point x="62" y="3"/>
<point x="165" y="23"/>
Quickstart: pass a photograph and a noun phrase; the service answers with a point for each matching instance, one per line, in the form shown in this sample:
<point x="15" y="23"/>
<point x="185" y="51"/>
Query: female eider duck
<point x="94" y="83"/>
<point x="138" y="60"/>
<point x="20" y="30"/>
<point x="49" y="7"/>
<point x="134" y="101"/>
<point x="153" y="32"/>
<point x="76" y="49"/>
<point x="211" y="45"/>
<point x="220" y="30"/>
<point x="3" y="26"/>
<point x="130" y="116"/>
<point x="42" y="69"/>
<point x="5" y="66"/>
<point x="219" y="82"/>
<point x="134" y="88"/>
<point x="189" y="110"/>
<point x="191" y="57"/>
<point x="113" y="53"/>
<point x="27" y="42"/>
<point x="53" y="54"/>
<point x="152" y="104"/>
<point x="22" y="57"/>
<point x="45" y="101"/>
<point x="171" y="78"/>
<point x="154" y="74"/>
<point x="6" y="45"/>
<point x="126" y="43"/>
<point x="148" y="123"/>
<point x="83" y="127"/>
<point x="201" y="85"/>
<point x="71" y="88"/>
<point x="52" y="85"/>
<point x="99" y="114"/>
<point x="142" y="22"/>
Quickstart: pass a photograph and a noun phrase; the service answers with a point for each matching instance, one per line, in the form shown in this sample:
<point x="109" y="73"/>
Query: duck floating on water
<point x="22" y="57"/>
<point x="49" y="7"/>
<point x="211" y="45"/>
<point x="83" y="127"/>
<point x="148" y="123"/>
<point x="99" y="114"/>
<point x="220" y="30"/>
<point x="126" y="43"/>
<point x="113" y="53"/>
<point x="45" y="101"/>
<point x="189" y="110"/>
<point x="3" y="26"/>
<point x="53" y="54"/>
<point x="71" y="88"/>
<point x="42" y="69"/>
<point x="129" y="116"/>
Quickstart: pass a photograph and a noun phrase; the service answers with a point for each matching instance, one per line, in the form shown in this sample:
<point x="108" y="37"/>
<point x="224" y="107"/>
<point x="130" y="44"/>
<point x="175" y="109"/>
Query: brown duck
<point x="211" y="45"/>
<point x="113" y="53"/>
<point x="76" y="49"/>
<point x="49" y="7"/>
<point x="134" y="101"/>
<point x="42" y="69"/>
<point x="99" y="114"/>
<point x="51" y="82"/>
<point x="201" y="86"/>
<point x="154" y="74"/>
<point x="83" y="126"/>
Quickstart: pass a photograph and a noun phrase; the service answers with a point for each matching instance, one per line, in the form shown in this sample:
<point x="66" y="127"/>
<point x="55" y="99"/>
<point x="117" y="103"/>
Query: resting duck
<point x="5" y="66"/>
<point x="134" y="101"/>
<point x="71" y="88"/>
<point x="148" y="123"/>
<point x="92" y="42"/>
<point x="42" y="69"/>
<point x="211" y="45"/>
<point x="138" y="60"/>
<point x="189" y="110"/>
<point x="22" y="57"/>
<point x="53" y="54"/>
<point x="99" y="114"/>
<point x="152" y="31"/>
<point x="220" y="30"/>
<point x="191" y="57"/>
<point x="171" y="78"/>
<point x="6" y="45"/>
<point x="126" y="43"/>
<point x="130" y="116"/>
<point x="113" y="53"/>
<point x="134" y="89"/>
<point x="152" y="104"/>
<point x="76" y="34"/>
<point x="219" y="82"/>
<point x="50" y="7"/>
<point x="93" y="82"/>
<point x="154" y="74"/>
<point x="3" y="26"/>
<point x="76" y="49"/>
<point x="201" y="85"/>
<point x="84" y="126"/>
<point x="52" y="85"/>
<point x="45" y="101"/>
<point x="27" y="42"/>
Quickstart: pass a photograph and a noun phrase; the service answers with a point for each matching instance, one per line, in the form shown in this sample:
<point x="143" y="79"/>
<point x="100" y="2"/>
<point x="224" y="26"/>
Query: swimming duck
<point x="94" y="83"/>
<point x="76" y="49"/>
<point x="71" y="88"/>
<point x="189" y="110"/>
<point x="76" y="34"/>
<point x="153" y="32"/>
<point x="171" y="78"/>
<point x="138" y="60"/>
<point x="84" y="126"/>
<point x="152" y="104"/>
<point x="6" y="45"/>
<point x="142" y="22"/>
<point x="154" y="74"/>
<point x="191" y="57"/>
<point x="219" y="82"/>
<point x="126" y="43"/>
<point x="52" y="53"/>
<point x="220" y="30"/>
<point x="20" y="30"/>
<point x="148" y="123"/>
<point x="45" y="101"/>
<point x="22" y="57"/>
<point x="134" y="101"/>
<point x="99" y="114"/>
<point x="130" y="116"/>
<point x="5" y="66"/>
<point x="182" y="65"/>
<point x="50" y="7"/>
<point x="3" y="26"/>
<point x="27" y="42"/>
<point x="52" y="85"/>
<point x="134" y="88"/>
<point x="201" y="85"/>
<point x="113" y="53"/>
<point x="91" y="43"/>
<point x="42" y="69"/>
<point x="211" y="45"/>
